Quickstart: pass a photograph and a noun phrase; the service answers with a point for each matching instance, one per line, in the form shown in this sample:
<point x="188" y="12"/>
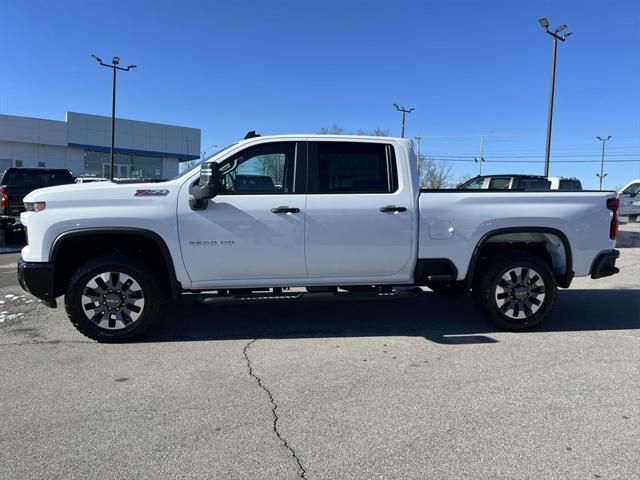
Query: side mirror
<point x="211" y="183"/>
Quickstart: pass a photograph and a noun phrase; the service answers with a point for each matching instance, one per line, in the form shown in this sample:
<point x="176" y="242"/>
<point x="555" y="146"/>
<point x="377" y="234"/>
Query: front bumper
<point x="605" y="264"/>
<point x="37" y="278"/>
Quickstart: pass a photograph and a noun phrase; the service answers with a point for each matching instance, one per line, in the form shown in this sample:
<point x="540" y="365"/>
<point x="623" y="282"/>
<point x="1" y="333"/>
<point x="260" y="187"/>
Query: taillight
<point x="613" y="204"/>
<point x="4" y="198"/>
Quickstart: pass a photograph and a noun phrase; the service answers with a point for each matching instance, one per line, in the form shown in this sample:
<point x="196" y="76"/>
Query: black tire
<point x="633" y="218"/>
<point x="154" y="299"/>
<point x="447" y="288"/>
<point x="491" y="284"/>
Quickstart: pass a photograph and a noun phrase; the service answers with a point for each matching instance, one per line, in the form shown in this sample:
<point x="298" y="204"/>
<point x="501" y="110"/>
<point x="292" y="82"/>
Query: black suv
<point x="16" y="183"/>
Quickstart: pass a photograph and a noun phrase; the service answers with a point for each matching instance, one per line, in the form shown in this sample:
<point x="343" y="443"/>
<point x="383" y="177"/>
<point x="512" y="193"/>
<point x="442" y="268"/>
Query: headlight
<point x="35" y="206"/>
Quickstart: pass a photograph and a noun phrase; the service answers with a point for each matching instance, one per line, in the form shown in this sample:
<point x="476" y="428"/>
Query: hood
<point x="98" y="191"/>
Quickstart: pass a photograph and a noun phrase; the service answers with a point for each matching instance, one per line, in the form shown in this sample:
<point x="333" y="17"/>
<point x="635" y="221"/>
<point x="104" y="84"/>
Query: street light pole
<point x="114" y="66"/>
<point x="554" y="49"/>
<point x="481" y="160"/>
<point x="418" y="140"/>
<point x="602" y="174"/>
<point x="404" y="112"/>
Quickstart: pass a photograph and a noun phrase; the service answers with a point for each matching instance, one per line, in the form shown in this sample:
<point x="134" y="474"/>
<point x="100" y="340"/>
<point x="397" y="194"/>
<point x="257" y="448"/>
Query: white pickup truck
<point x="315" y="211"/>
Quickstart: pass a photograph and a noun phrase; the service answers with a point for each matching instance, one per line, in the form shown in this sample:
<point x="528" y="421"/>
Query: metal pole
<point x="550" y="117"/>
<point x="602" y="174"/>
<point x="481" y="148"/>
<point x="113" y="125"/>
<point x="602" y="164"/>
<point x="403" y="120"/>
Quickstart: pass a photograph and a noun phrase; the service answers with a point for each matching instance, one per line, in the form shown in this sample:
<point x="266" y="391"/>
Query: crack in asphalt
<point x="301" y="470"/>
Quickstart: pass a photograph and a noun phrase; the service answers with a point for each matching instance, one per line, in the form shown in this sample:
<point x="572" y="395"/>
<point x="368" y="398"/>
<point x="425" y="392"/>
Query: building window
<point x="98" y="164"/>
<point x="42" y="164"/>
<point x="18" y="163"/>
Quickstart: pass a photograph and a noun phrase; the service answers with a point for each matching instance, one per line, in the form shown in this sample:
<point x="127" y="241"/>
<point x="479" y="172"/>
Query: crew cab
<point x="315" y="211"/>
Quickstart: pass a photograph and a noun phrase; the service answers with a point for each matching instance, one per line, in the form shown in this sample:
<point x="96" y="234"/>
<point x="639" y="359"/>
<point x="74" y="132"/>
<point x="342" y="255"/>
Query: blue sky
<point x="467" y="67"/>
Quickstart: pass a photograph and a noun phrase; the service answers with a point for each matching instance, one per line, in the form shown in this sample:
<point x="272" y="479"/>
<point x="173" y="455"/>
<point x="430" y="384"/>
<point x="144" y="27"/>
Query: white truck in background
<point x="316" y="211"/>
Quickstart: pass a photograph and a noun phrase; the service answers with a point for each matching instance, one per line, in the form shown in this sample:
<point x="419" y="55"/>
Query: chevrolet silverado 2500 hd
<point x="315" y="211"/>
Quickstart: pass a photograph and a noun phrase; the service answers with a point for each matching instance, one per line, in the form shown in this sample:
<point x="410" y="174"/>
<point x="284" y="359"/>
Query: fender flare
<point x="564" y="280"/>
<point x="174" y="285"/>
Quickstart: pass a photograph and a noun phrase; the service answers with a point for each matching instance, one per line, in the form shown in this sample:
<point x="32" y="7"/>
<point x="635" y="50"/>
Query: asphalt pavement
<point x="416" y="386"/>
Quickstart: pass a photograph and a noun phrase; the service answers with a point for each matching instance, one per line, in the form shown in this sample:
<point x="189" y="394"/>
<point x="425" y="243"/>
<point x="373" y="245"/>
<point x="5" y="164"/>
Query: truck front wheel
<point x="114" y="298"/>
<point x="516" y="291"/>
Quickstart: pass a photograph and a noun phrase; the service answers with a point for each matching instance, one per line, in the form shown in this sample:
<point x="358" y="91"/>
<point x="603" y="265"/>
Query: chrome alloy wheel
<point x="112" y="300"/>
<point x="520" y="293"/>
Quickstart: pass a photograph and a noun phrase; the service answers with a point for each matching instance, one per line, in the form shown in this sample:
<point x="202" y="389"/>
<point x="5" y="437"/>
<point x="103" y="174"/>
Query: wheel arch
<point x="564" y="279"/>
<point x="121" y="233"/>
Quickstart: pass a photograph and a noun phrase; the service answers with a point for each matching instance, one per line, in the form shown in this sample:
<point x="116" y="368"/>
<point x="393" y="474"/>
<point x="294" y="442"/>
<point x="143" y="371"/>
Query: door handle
<point x="392" y="209"/>
<point x="285" y="210"/>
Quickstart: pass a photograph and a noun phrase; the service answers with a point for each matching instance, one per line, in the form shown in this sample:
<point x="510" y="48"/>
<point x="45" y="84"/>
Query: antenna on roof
<point x="251" y="134"/>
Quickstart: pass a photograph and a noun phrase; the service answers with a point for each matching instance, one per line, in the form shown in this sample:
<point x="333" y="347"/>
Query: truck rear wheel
<point x="516" y="291"/>
<point x="114" y="298"/>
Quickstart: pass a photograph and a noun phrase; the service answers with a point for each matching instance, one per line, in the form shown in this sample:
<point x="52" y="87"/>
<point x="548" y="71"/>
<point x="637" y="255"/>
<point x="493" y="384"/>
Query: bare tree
<point x="332" y="130"/>
<point x="272" y="165"/>
<point x="464" y="178"/>
<point x="433" y="174"/>
<point x="336" y="130"/>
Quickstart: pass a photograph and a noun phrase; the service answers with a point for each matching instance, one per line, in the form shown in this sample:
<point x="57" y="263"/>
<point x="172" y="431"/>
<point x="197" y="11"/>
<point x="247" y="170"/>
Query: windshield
<point x="632" y="189"/>
<point x="191" y="165"/>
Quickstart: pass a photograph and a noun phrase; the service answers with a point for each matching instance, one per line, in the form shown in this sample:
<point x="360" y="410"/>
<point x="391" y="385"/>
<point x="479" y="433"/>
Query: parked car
<point x="18" y="182"/>
<point x="630" y="200"/>
<point x="90" y="179"/>
<point x="564" y="183"/>
<point x="338" y="212"/>
<point x="507" y="182"/>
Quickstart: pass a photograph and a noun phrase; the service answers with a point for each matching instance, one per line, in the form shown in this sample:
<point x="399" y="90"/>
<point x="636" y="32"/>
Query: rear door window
<point x="351" y="167"/>
<point x="568" y="184"/>
<point x="500" y="183"/>
<point x="534" y="184"/>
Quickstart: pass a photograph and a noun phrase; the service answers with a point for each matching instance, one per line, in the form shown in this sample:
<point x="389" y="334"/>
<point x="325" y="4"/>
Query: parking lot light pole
<point x="114" y="66"/>
<point x="602" y="174"/>
<point x="556" y="36"/>
<point x="481" y="160"/>
<point x="404" y="113"/>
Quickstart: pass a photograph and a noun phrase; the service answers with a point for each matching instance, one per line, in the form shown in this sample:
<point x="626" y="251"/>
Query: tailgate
<point x="15" y="196"/>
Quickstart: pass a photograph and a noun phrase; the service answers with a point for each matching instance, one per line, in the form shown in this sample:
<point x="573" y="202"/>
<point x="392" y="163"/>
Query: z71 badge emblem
<point x="162" y="192"/>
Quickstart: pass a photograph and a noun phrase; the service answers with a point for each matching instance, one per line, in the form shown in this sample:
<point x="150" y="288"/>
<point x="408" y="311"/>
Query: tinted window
<point x="266" y="168"/>
<point x="500" y="183"/>
<point x="473" y="184"/>
<point x="567" y="184"/>
<point x="534" y="184"/>
<point x="36" y="178"/>
<point x="351" y="167"/>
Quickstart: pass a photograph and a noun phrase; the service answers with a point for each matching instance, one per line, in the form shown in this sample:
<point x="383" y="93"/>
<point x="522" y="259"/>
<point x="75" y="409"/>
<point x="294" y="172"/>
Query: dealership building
<point x="82" y="145"/>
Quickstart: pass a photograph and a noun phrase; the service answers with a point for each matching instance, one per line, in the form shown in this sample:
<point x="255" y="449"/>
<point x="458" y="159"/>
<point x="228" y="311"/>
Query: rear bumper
<point x="37" y="278"/>
<point x="8" y="221"/>
<point x="605" y="264"/>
